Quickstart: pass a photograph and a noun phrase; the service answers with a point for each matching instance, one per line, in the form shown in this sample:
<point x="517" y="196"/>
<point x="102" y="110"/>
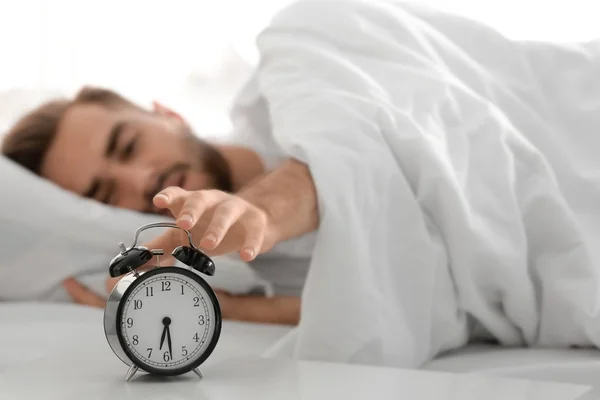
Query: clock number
<point x="149" y="350"/>
<point x="196" y="338"/>
<point x="135" y="340"/>
<point x="166" y="286"/>
<point x="166" y="356"/>
<point x="184" y="352"/>
<point x="196" y="302"/>
<point x="137" y="304"/>
<point x="201" y="320"/>
<point x="181" y="289"/>
<point x="149" y="291"/>
<point x="129" y="322"/>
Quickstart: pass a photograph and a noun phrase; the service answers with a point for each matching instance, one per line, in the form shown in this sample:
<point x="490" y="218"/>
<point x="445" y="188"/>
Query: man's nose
<point x="135" y="182"/>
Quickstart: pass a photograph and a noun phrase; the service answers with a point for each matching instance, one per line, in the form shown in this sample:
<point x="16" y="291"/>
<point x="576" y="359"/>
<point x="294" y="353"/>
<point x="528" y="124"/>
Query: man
<point x="102" y="146"/>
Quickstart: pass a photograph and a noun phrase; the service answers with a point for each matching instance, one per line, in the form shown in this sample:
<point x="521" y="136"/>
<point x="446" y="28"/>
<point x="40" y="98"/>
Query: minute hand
<point x="162" y="337"/>
<point x="169" y="341"/>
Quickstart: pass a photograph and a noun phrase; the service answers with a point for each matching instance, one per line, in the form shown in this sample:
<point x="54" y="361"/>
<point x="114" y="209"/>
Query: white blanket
<point x="457" y="175"/>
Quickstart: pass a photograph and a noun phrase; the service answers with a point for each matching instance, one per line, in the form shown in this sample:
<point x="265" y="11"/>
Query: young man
<point x="102" y="146"/>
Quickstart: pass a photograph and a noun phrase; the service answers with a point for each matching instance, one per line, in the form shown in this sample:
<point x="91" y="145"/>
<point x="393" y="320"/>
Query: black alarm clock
<point x="166" y="320"/>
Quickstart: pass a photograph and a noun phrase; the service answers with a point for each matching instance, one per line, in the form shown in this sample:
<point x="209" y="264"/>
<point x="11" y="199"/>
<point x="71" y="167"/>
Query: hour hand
<point x="166" y="322"/>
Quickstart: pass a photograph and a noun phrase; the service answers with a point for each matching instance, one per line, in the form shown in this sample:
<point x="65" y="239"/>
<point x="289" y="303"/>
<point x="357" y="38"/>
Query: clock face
<point x="168" y="320"/>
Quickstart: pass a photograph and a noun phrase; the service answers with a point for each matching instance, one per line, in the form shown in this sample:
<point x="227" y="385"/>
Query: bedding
<point x="457" y="180"/>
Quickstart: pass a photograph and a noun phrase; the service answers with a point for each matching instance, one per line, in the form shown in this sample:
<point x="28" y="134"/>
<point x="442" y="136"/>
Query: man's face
<point x="123" y="156"/>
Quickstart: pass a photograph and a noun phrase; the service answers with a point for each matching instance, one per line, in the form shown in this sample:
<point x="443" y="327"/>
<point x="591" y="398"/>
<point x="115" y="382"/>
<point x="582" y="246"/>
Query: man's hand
<point x="224" y="222"/>
<point x="82" y="295"/>
<point x="279" y="206"/>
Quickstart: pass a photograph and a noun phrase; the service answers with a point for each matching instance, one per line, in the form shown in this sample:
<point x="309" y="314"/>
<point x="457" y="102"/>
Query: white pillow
<point x="48" y="234"/>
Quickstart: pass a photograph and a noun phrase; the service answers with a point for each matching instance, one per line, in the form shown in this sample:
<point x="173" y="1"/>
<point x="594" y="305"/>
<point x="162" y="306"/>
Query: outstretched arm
<point x="288" y="196"/>
<point x="279" y="206"/>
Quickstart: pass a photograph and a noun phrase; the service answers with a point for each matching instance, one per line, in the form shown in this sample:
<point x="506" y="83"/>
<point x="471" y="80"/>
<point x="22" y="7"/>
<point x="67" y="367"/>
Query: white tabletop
<point x="52" y="352"/>
<point x="99" y="375"/>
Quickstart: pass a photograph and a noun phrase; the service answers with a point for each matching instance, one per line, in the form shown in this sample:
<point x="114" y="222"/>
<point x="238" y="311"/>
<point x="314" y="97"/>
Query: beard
<point x="206" y="158"/>
<point x="212" y="162"/>
<point x="201" y="157"/>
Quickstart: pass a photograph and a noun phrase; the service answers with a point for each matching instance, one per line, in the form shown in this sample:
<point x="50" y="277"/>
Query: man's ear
<point x="164" y="110"/>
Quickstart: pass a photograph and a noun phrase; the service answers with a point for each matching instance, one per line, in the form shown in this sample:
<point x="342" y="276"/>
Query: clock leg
<point x="197" y="372"/>
<point x="131" y="372"/>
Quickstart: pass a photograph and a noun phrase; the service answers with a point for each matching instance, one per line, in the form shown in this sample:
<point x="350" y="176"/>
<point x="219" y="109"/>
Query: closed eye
<point x="129" y="149"/>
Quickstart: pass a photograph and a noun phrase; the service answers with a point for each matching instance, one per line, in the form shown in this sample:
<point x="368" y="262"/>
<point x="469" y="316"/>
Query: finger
<point x="81" y="295"/>
<point x="195" y="205"/>
<point x="255" y="234"/>
<point x="224" y="216"/>
<point x="172" y="198"/>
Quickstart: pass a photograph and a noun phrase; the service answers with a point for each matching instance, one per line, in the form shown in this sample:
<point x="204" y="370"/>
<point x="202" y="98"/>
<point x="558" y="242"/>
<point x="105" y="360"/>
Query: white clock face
<point x="167" y="321"/>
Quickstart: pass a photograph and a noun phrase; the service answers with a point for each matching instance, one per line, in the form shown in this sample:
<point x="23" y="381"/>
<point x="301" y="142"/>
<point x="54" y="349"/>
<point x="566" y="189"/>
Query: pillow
<point x="48" y="234"/>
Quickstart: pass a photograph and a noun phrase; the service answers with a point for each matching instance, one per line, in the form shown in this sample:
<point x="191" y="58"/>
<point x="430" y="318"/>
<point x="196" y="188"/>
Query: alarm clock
<point x="165" y="320"/>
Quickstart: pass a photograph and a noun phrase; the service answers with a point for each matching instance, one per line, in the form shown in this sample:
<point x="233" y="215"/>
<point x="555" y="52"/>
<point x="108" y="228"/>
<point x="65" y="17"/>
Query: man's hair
<point x="28" y="141"/>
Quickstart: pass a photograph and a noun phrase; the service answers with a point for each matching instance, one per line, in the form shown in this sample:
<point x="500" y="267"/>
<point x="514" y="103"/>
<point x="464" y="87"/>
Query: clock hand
<point x="166" y="322"/>
<point x="169" y="340"/>
<point x="162" y="337"/>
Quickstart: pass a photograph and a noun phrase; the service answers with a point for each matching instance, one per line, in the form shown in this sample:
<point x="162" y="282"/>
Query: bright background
<point x="193" y="54"/>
